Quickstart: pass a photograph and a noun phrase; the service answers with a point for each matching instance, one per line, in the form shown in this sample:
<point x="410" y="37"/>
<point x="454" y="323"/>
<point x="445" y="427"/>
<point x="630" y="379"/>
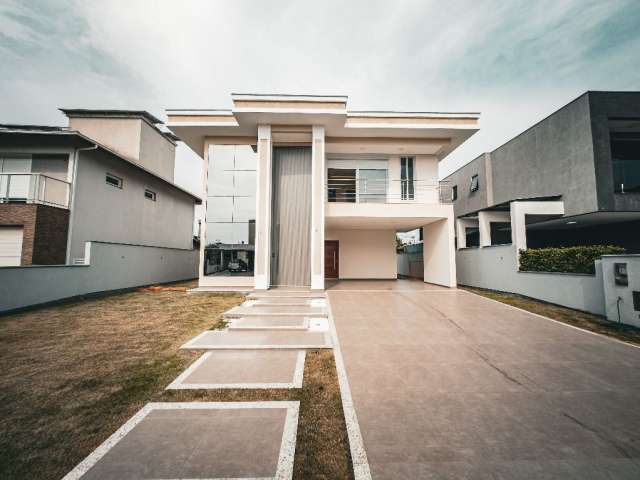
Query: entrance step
<point x="258" y="339"/>
<point x="263" y="294"/>
<point x="269" y="323"/>
<point x="275" y="311"/>
<point x="288" y="301"/>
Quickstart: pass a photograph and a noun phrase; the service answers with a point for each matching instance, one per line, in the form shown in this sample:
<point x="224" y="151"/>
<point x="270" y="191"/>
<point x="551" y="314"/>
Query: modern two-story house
<point x="300" y="190"/>
<point x="108" y="177"/>
<point x="571" y="179"/>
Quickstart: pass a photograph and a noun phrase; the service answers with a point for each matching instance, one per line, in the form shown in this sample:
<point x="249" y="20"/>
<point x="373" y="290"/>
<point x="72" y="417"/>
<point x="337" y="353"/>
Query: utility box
<point x="621" y="277"/>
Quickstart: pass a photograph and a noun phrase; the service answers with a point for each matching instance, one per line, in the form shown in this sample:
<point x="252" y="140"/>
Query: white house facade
<point x="299" y="190"/>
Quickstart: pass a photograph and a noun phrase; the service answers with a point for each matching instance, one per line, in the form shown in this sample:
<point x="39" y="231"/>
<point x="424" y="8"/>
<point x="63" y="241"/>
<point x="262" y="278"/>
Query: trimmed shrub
<point x="565" y="259"/>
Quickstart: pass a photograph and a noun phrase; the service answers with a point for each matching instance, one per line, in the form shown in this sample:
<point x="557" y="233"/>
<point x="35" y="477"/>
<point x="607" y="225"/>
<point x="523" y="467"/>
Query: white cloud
<point x="515" y="61"/>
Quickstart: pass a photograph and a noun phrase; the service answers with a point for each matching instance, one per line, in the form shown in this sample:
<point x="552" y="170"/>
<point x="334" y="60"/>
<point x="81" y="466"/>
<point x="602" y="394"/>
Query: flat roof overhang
<point x="401" y="217"/>
<point x="444" y="131"/>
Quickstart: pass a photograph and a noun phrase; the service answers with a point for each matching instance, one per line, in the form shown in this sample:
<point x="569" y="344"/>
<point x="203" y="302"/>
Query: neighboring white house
<point x="299" y="189"/>
<point x="107" y="177"/>
<point x="98" y="194"/>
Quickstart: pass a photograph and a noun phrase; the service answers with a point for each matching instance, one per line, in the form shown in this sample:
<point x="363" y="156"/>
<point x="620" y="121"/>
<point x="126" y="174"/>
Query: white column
<point x="439" y="253"/>
<point x="485" y="218"/>
<point x="519" y="210"/>
<point x="317" y="207"/>
<point x="262" y="264"/>
<point x="461" y="234"/>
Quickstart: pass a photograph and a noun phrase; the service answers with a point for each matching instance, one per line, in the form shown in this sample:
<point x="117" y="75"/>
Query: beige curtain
<point x="291" y="217"/>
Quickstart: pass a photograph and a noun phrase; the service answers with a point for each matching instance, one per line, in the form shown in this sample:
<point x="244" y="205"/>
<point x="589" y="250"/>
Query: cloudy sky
<point x="515" y="61"/>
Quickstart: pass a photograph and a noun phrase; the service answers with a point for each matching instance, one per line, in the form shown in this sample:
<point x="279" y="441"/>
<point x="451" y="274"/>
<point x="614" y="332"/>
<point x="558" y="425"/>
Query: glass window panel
<point x="341" y="185"/>
<point x="219" y="209"/>
<point x="219" y="183"/>
<point x="244" y="209"/>
<point x="372" y="186"/>
<point x="245" y="158"/>
<point x="244" y="183"/>
<point x="232" y="233"/>
<point x="221" y="157"/>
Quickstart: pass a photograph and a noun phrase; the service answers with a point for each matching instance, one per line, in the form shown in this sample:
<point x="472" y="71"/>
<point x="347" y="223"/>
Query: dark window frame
<point x="150" y="194"/>
<point x="454" y="193"/>
<point x="474" y="185"/>
<point x="119" y="182"/>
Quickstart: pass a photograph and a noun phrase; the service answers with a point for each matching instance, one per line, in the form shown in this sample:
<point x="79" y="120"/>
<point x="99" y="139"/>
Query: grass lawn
<point x="586" y="321"/>
<point x="72" y="374"/>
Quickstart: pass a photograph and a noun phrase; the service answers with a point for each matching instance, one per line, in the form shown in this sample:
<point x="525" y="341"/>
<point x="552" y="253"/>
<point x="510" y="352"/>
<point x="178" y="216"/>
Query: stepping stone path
<point x="262" y="347"/>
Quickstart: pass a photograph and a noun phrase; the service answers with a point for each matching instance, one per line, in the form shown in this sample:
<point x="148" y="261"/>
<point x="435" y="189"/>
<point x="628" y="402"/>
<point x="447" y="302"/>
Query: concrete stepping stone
<point x="243" y="369"/>
<point x="275" y="310"/>
<point x="213" y="440"/>
<point x="269" y="323"/>
<point x="259" y="339"/>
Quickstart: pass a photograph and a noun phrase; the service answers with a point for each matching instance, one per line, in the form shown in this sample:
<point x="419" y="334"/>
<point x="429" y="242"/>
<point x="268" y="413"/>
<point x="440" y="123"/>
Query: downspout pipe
<point x="76" y="158"/>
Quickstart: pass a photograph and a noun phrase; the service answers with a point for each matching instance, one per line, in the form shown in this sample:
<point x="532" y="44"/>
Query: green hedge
<point x="565" y="259"/>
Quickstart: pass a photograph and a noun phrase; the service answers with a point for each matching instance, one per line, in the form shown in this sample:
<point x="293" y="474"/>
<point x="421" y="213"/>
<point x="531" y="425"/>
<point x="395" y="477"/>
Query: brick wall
<point x="50" y="240"/>
<point x="45" y="229"/>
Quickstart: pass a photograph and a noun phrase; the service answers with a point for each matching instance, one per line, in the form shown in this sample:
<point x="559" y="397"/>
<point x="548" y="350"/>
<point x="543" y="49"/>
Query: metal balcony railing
<point x="34" y="188"/>
<point x="366" y="190"/>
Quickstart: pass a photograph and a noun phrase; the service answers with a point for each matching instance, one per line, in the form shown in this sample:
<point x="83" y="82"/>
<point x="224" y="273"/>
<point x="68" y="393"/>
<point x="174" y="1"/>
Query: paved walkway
<point x="450" y="385"/>
<point x="262" y="349"/>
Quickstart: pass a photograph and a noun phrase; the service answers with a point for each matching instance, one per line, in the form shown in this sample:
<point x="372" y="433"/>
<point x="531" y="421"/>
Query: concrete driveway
<point x="448" y="385"/>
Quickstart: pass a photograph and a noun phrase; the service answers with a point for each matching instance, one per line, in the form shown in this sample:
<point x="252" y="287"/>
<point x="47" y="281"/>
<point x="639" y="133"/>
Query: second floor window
<point x="475" y="183"/>
<point x="150" y="195"/>
<point x="407" y="168"/>
<point x="113" y="180"/>
<point x="454" y="193"/>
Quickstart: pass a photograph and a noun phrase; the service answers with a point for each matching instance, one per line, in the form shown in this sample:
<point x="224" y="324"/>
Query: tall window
<point x="231" y="211"/>
<point x="625" y="156"/>
<point x="407" y="168"/>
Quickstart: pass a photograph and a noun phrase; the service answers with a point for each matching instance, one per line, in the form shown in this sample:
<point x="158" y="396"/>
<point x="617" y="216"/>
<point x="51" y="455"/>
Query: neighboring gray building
<point x="583" y="159"/>
<point x="108" y="177"/>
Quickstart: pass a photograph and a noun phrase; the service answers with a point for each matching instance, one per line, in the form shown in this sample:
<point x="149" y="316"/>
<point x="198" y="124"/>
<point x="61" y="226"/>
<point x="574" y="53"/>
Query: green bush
<point x="565" y="259"/>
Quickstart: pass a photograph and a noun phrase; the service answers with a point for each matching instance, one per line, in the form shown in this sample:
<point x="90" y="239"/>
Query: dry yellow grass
<point x="584" y="320"/>
<point x="72" y="374"/>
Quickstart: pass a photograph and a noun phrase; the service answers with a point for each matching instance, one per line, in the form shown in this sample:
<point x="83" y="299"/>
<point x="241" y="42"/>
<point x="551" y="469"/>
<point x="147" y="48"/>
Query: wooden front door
<point x="331" y="258"/>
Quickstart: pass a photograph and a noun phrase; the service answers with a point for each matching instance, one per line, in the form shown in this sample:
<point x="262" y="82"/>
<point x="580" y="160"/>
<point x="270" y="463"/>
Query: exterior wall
<point x="470" y="201"/>
<point x="621" y="296"/>
<point x="366" y="254"/>
<point x="112" y="267"/>
<point x="106" y="213"/>
<point x="122" y="135"/>
<point x="605" y="105"/>
<point x="495" y="268"/>
<point x="156" y="152"/>
<point x="555" y="157"/>
<point x="50" y="240"/>
<point x="44" y="240"/>
<point x="411" y="264"/>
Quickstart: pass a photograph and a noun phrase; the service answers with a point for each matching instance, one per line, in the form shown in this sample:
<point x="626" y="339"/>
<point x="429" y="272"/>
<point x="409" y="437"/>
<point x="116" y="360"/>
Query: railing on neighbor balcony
<point x="367" y="190"/>
<point x="34" y="188"/>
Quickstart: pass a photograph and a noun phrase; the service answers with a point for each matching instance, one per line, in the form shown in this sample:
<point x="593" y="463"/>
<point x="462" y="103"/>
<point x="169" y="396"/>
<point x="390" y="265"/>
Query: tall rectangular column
<point x="438" y="252"/>
<point x="317" y="207"/>
<point x="262" y="261"/>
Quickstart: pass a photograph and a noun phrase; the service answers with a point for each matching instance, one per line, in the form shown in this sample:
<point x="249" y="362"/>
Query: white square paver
<point x="199" y="440"/>
<point x="243" y="369"/>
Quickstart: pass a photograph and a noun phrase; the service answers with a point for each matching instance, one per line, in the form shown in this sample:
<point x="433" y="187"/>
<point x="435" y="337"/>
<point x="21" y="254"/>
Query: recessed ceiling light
<point x="571" y="222"/>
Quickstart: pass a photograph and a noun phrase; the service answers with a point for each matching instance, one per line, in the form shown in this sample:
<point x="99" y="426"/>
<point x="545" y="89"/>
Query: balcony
<point x="382" y="204"/>
<point x="34" y="188"/>
<point x="383" y="190"/>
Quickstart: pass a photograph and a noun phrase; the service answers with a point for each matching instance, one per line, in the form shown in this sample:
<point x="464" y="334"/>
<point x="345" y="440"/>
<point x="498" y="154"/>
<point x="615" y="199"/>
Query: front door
<point x="331" y="259"/>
